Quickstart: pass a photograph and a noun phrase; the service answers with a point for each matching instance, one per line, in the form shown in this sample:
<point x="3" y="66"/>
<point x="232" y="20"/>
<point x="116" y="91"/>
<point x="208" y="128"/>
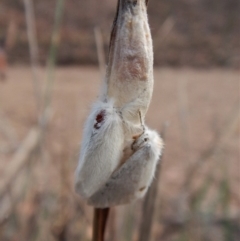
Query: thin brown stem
<point x="99" y="223"/>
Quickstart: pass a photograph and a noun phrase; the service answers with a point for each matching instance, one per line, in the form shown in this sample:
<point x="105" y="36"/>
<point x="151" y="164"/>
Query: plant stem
<point x="52" y="58"/>
<point x="99" y="223"/>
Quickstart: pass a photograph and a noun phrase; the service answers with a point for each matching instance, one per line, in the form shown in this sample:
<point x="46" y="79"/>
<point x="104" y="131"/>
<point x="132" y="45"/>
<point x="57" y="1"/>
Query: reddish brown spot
<point x="99" y="119"/>
<point x="142" y="189"/>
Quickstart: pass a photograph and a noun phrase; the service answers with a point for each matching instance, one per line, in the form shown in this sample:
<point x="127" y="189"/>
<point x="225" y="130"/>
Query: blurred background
<point x="52" y="61"/>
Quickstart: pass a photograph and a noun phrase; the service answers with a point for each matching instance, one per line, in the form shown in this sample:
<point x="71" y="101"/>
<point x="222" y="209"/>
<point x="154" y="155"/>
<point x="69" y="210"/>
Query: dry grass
<point x="41" y="204"/>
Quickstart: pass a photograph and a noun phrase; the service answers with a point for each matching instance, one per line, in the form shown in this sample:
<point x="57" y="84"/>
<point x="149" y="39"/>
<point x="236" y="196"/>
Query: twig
<point x="11" y="35"/>
<point x="99" y="223"/>
<point x="52" y="60"/>
<point x="33" y="47"/>
<point x="183" y="116"/>
<point x="20" y="159"/>
<point x="8" y="131"/>
<point x="6" y="149"/>
<point x="148" y="209"/>
<point x="129" y="223"/>
<point x="165" y="29"/>
<point x="100" y="50"/>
